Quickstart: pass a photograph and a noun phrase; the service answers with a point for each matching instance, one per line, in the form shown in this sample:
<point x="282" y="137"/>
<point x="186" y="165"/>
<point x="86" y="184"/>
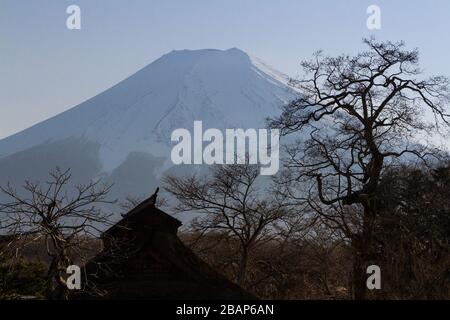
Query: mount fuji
<point x="123" y="134"/>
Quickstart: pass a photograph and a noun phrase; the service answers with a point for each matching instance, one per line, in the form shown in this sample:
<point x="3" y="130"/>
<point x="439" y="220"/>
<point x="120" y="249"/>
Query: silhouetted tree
<point x="58" y="217"/>
<point x="230" y="202"/>
<point x="358" y="115"/>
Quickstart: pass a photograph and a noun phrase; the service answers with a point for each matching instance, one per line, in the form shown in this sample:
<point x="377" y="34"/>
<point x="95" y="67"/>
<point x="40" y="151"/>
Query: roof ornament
<point x="153" y="197"/>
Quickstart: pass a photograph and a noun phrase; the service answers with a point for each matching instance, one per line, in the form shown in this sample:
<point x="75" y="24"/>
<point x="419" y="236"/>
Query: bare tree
<point x="358" y="115"/>
<point x="230" y="202"/>
<point x="60" y="218"/>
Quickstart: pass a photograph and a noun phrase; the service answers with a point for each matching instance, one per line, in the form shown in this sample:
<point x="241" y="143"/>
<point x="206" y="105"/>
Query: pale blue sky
<point x="46" y="69"/>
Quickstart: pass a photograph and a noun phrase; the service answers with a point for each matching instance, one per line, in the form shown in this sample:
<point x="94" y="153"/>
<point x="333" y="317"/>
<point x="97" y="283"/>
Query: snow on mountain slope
<point x="224" y="89"/>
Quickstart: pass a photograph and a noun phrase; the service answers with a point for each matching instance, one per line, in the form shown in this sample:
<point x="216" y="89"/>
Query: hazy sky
<point x="46" y="68"/>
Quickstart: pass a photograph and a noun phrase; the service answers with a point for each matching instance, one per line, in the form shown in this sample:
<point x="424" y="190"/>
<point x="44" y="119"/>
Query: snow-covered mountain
<point x="124" y="132"/>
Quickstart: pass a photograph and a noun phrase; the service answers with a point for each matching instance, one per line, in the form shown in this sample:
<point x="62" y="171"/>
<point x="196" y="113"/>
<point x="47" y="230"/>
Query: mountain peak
<point x="189" y="56"/>
<point x="207" y="51"/>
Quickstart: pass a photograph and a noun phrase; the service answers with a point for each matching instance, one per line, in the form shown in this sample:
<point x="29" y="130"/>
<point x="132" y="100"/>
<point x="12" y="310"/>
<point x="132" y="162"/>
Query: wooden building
<point x="143" y="258"/>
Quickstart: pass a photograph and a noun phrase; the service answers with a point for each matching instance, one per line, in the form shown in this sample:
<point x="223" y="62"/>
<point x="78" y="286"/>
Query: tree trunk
<point x="361" y="245"/>
<point x="242" y="271"/>
<point x="56" y="288"/>
<point x="359" y="290"/>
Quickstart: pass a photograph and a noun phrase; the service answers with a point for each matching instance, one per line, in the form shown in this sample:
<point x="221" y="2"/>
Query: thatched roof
<point x="143" y="258"/>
